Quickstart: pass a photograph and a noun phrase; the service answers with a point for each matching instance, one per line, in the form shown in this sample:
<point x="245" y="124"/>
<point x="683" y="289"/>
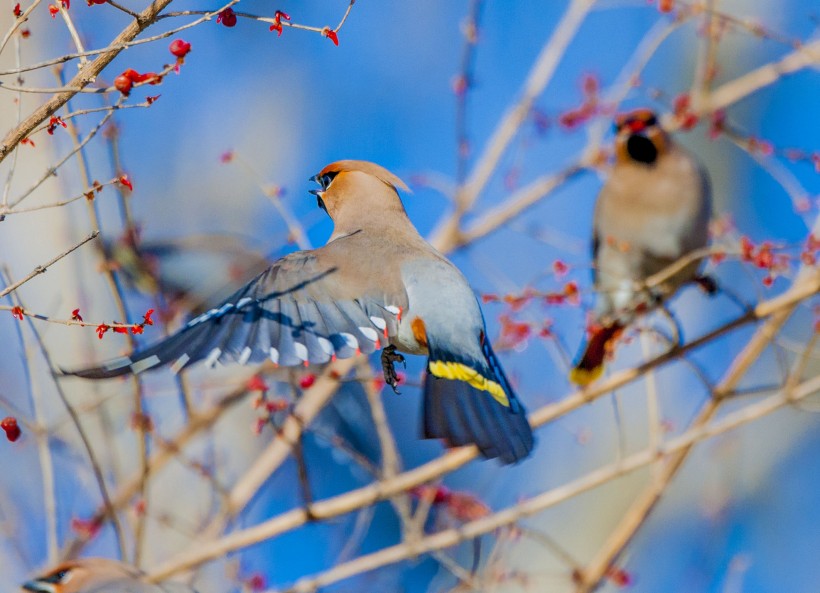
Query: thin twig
<point x="42" y="437"/>
<point x="42" y="268"/>
<point x="110" y="511"/>
<point x="82" y="79"/>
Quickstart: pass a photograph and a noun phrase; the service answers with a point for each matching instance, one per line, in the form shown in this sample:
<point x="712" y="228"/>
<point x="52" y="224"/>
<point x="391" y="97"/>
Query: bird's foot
<point x="390" y="356"/>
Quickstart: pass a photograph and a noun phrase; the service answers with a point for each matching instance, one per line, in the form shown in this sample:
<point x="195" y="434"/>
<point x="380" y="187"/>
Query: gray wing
<point x="302" y="310"/>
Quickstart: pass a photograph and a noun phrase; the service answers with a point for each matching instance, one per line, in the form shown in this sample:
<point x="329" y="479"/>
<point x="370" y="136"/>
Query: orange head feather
<point x="373" y="169"/>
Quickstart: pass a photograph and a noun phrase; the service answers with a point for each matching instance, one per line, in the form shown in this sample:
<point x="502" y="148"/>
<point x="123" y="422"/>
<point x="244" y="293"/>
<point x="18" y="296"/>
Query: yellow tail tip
<point x="583" y="377"/>
<point x="455" y="371"/>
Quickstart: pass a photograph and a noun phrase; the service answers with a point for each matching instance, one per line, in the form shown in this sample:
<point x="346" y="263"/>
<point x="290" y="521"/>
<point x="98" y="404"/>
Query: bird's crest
<point x="366" y="167"/>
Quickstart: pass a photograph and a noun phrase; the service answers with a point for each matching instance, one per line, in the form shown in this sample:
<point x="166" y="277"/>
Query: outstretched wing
<point x="302" y="310"/>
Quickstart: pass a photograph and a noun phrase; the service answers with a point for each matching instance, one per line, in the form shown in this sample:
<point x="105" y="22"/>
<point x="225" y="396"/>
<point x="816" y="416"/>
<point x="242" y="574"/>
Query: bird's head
<point x="344" y="182"/>
<point x="639" y="137"/>
<point x="77" y="576"/>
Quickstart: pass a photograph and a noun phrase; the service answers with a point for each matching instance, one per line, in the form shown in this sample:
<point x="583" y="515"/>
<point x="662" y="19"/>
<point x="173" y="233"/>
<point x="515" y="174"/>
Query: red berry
<point x="180" y="48"/>
<point x="307" y="381"/>
<point x="9" y="425"/>
<point x="227" y="17"/>
<point x="123" y="84"/>
<point x="666" y="5"/>
<point x="257" y="383"/>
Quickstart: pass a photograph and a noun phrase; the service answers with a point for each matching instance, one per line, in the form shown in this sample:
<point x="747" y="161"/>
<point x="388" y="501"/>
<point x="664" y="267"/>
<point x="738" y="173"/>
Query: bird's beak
<point x="38" y="587"/>
<point x="315" y="192"/>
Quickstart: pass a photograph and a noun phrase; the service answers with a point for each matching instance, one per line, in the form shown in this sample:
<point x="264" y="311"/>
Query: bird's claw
<point x="389" y="357"/>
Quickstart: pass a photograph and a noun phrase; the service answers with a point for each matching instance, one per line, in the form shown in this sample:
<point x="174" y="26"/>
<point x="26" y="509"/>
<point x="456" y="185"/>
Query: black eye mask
<point x="57" y="577"/>
<point x="326" y="179"/>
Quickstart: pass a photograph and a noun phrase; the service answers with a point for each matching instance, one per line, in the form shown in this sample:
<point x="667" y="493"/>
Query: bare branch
<point x="42" y="268"/>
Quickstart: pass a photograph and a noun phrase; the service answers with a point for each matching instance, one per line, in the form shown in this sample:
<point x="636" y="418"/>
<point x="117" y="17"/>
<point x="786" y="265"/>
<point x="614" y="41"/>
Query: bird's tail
<point x="591" y="364"/>
<point x="468" y="402"/>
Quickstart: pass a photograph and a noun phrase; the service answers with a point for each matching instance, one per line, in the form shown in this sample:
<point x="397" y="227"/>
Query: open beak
<point x="37" y="587"/>
<point x="315" y="192"/>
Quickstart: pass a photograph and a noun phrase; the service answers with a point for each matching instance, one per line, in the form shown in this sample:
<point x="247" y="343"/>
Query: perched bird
<point x="376" y="284"/>
<point x="653" y="209"/>
<point x="98" y="575"/>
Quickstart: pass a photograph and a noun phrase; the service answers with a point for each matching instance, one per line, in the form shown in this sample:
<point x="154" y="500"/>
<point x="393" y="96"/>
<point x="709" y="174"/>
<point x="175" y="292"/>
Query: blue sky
<point x="287" y="106"/>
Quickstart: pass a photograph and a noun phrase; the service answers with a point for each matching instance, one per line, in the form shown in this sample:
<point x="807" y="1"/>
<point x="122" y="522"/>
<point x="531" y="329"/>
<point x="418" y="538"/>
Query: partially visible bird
<point x="652" y="210"/>
<point x="377" y="284"/>
<point x="98" y="575"/>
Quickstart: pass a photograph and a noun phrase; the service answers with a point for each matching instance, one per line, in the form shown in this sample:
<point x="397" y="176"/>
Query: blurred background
<point x="219" y="165"/>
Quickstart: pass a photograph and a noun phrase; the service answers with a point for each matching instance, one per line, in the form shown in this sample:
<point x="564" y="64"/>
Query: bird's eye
<point x="651" y="121"/>
<point x="57" y="577"/>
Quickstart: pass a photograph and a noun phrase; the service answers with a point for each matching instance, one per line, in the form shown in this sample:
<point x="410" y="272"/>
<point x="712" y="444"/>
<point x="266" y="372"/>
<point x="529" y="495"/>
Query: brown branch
<point x="82" y="79"/>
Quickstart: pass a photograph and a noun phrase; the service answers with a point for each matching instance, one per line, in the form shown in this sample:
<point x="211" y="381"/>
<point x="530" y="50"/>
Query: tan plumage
<point x="376" y="284"/>
<point x="98" y="575"/>
<point x="653" y="209"/>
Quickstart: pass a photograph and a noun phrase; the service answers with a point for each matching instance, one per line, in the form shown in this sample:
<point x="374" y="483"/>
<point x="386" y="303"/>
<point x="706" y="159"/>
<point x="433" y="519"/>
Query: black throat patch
<point x="642" y="149"/>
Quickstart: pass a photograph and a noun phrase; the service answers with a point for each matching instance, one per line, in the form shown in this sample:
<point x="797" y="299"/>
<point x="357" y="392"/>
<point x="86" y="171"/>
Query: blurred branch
<point x="199" y="422"/>
<point x="464" y="84"/>
<point x="42" y="437"/>
<point x="517" y="203"/>
<point x="96" y="468"/>
<point x="391" y="463"/>
<point x="509" y="516"/>
<point x="538" y="78"/>
<point x="751" y="82"/>
<point x="312" y="402"/>
<point x="808" y="279"/>
<point x="780" y="306"/>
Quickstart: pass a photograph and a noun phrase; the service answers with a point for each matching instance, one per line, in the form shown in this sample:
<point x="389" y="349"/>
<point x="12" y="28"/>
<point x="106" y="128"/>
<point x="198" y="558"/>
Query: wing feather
<point x="298" y="311"/>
